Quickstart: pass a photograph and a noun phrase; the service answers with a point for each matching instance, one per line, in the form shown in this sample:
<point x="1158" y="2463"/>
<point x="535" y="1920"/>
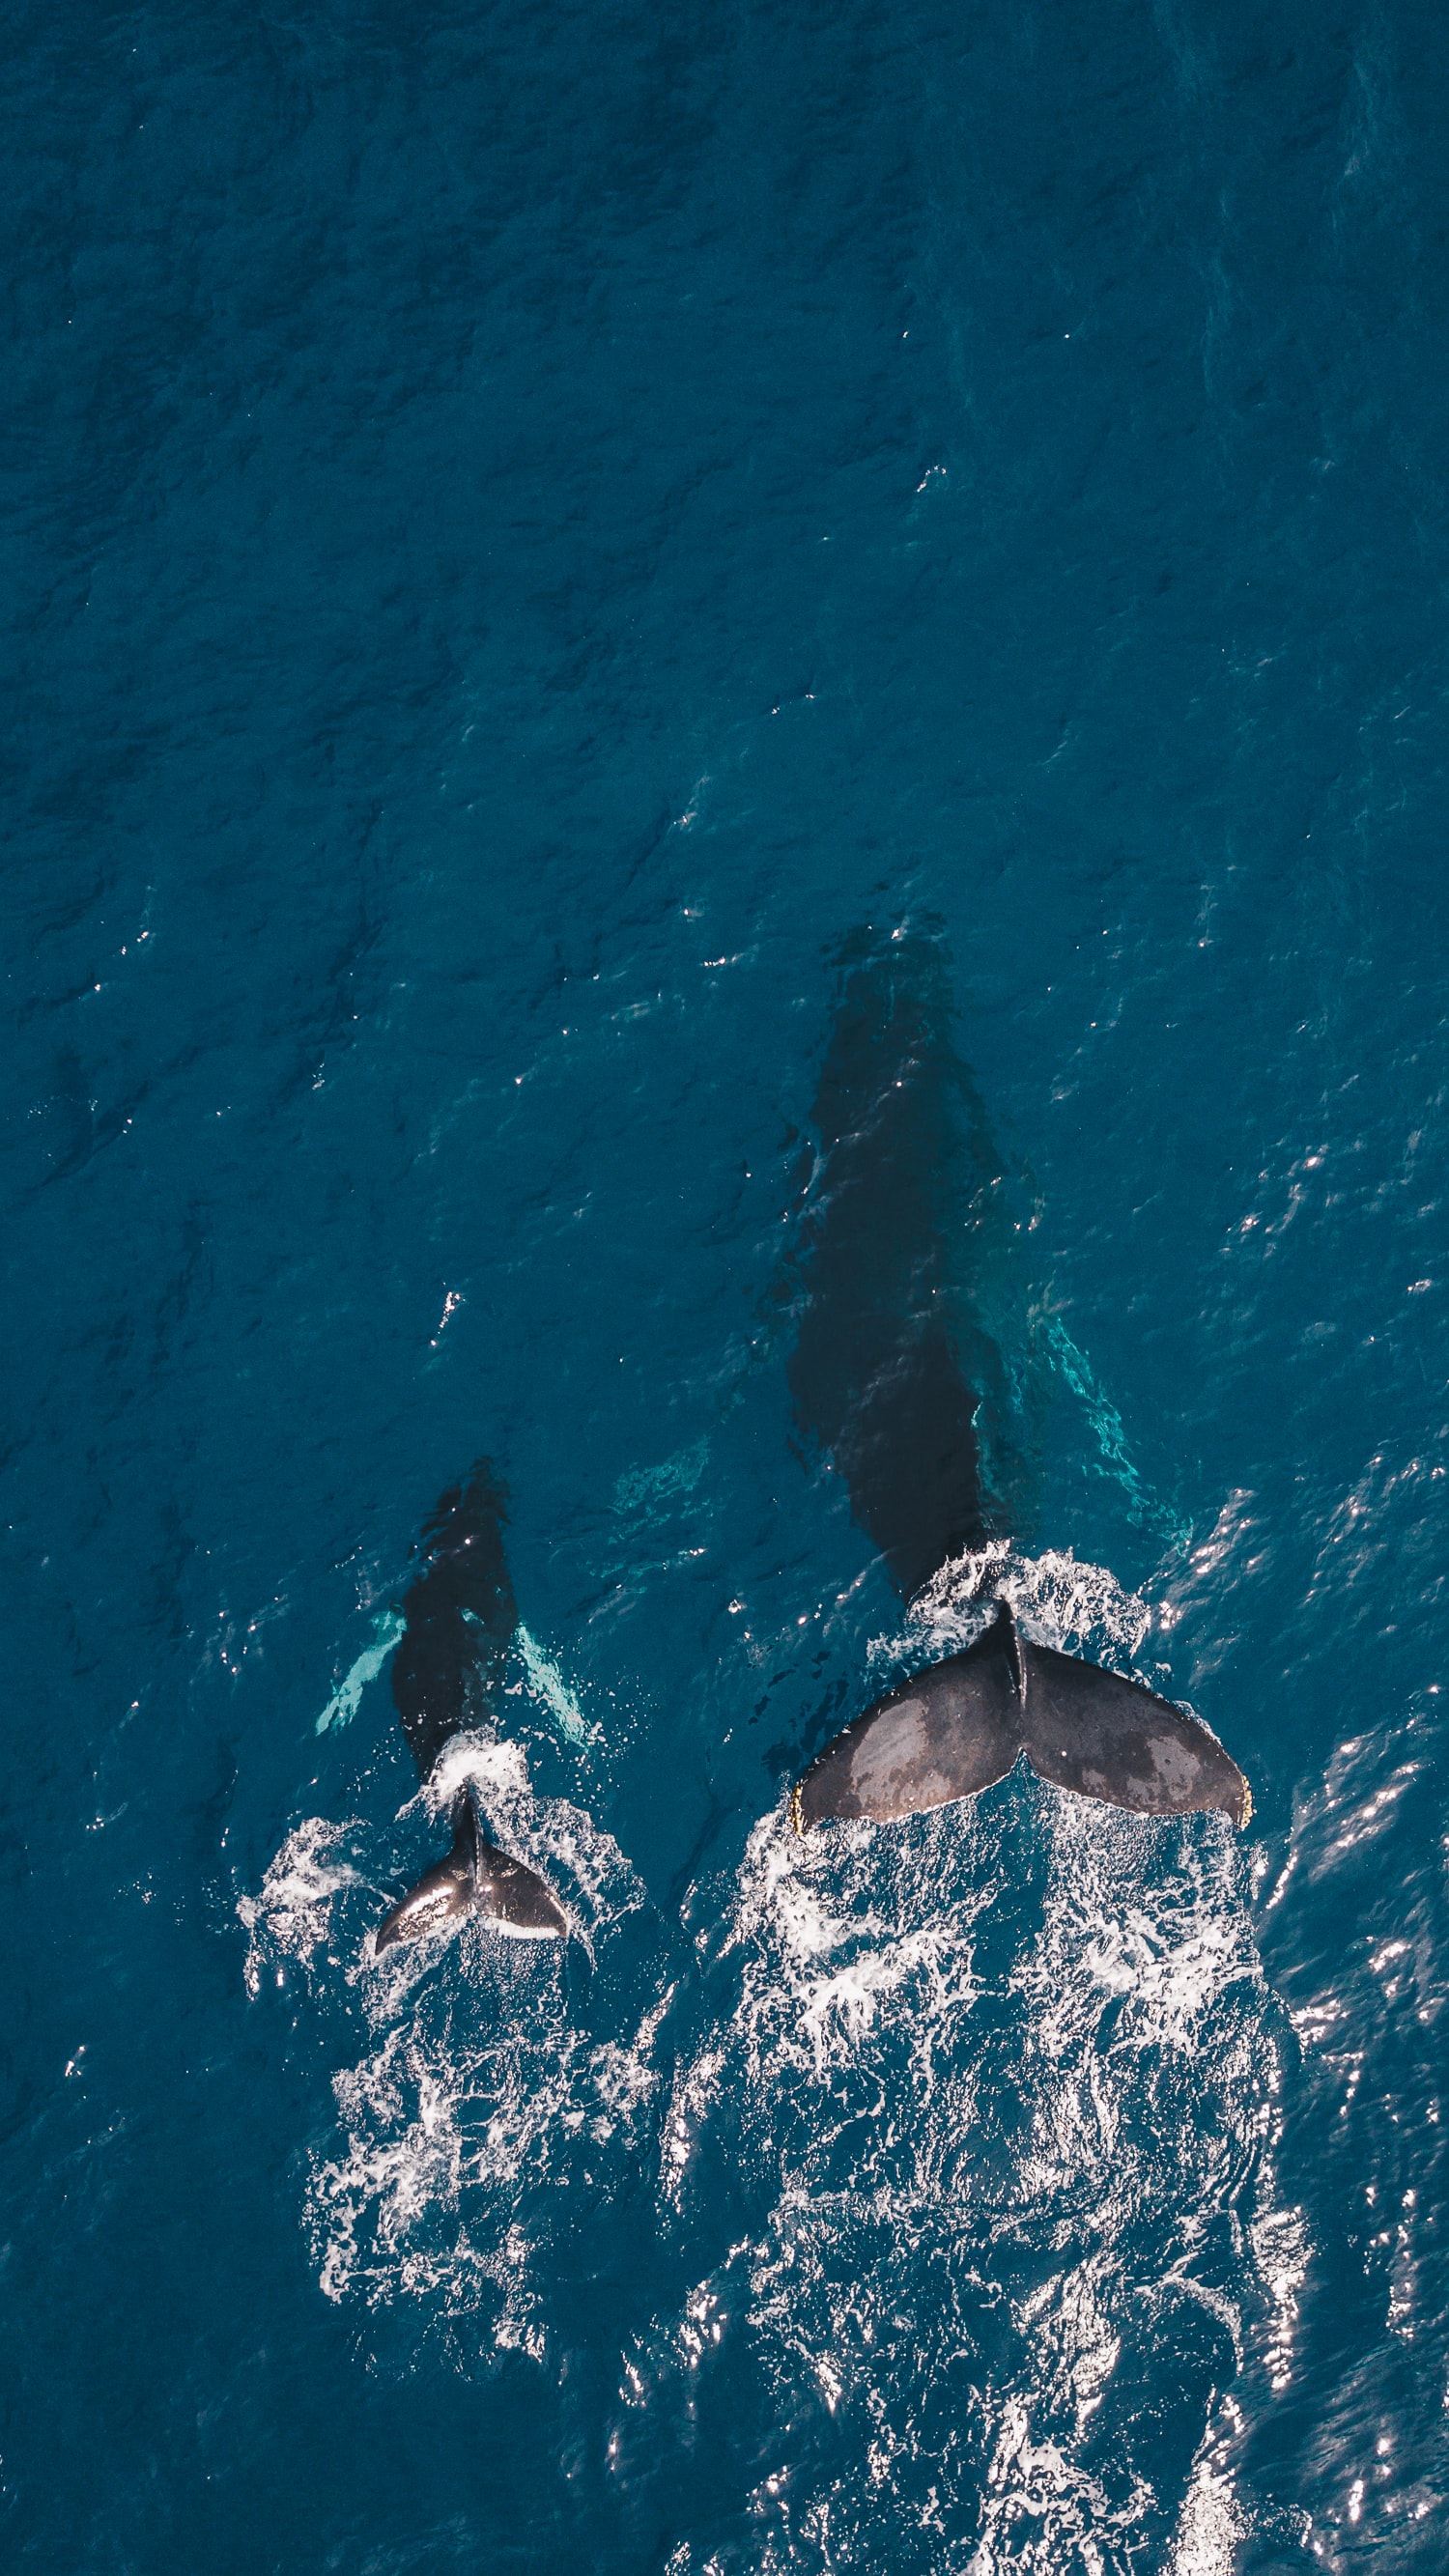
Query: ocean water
<point x="524" y="527"/>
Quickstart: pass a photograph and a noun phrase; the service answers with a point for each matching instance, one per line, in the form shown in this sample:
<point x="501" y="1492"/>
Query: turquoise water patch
<point x="543" y="1677"/>
<point x="342" y="1707"/>
<point x="548" y="1685"/>
<point x="1106" y="1425"/>
<point x="659" y="1489"/>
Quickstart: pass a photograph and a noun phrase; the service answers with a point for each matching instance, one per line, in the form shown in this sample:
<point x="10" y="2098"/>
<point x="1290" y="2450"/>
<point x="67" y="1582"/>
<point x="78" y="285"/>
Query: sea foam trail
<point x="991" y="2096"/>
<point x="481" y="2098"/>
<point x="290" y="1917"/>
<point x="1002" y="2082"/>
<point x="479" y="2093"/>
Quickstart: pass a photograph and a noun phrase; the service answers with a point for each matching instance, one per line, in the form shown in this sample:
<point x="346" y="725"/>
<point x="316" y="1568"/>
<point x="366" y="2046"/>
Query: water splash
<point x="1020" y="2050"/>
<point x="1060" y="1601"/>
<point x="994" y="2091"/>
<point x="480" y="2092"/>
<point x="291" y="1914"/>
<point x="462" y="2129"/>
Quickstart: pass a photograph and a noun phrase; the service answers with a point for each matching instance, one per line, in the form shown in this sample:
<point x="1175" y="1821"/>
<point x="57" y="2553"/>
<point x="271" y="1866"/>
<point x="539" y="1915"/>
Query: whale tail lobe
<point x="476" y="1878"/>
<point x="960" y="1726"/>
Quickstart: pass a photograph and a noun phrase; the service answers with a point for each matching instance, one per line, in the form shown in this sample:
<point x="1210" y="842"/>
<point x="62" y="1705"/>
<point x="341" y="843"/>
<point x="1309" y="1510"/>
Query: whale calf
<point x="897" y="1381"/>
<point x="459" y="1616"/>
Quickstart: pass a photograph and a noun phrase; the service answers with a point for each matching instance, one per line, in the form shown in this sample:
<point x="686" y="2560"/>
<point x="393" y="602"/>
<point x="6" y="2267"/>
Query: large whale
<point x="896" y="1380"/>
<point x="459" y="1616"/>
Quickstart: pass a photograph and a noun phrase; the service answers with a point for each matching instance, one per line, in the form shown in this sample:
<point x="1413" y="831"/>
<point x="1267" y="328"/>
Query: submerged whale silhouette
<point x="896" y="1378"/>
<point x="460" y="1615"/>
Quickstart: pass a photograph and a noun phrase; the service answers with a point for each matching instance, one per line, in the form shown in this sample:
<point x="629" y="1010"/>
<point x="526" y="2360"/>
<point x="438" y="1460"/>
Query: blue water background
<point x="522" y="527"/>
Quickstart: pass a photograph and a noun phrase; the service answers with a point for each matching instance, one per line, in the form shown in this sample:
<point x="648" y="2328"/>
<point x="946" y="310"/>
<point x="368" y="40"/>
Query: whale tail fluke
<point x="1104" y="1737"/>
<point x="475" y="1878"/>
<point x="960" y="1726"/>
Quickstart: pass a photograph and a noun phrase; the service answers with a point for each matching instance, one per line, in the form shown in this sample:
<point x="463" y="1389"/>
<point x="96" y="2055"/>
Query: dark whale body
<point x="460" y="1616"/>
<point x="895" y="1376"/>
<point x="892" y="1372"/>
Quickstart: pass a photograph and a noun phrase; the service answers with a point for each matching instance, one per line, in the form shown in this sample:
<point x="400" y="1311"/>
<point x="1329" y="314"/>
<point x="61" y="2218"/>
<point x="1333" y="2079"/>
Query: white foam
<point x="998" y="2086"/>
<point x="1091" y="2153"/>
<point x="550" y="1834"/>
<point x="1211" y="2526"/>
<point x="478" y="2094"/>
<point x="291" y="1914"/>
<point x="1060" y="1601"/>
<point x="460" y="2126"/>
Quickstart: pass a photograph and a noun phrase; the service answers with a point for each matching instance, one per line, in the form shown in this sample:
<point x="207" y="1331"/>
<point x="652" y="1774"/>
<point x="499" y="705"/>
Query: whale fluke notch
<point x="959" y="1727"/>
<point x="476" y="1878"/>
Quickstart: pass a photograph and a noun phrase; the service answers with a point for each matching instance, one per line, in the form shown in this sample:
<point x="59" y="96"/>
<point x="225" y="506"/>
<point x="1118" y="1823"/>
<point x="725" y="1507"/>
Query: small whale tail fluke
<point x="960" y="1726"/>
<point x="476" y="1878"/>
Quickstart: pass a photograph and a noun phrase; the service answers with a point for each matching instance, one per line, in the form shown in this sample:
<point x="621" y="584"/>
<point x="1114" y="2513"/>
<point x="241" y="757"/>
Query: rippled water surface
<point x="524" y="528"/>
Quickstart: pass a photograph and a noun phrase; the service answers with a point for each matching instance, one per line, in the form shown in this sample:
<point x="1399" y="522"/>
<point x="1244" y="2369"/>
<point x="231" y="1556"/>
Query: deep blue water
<point x="522" y="527"/>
